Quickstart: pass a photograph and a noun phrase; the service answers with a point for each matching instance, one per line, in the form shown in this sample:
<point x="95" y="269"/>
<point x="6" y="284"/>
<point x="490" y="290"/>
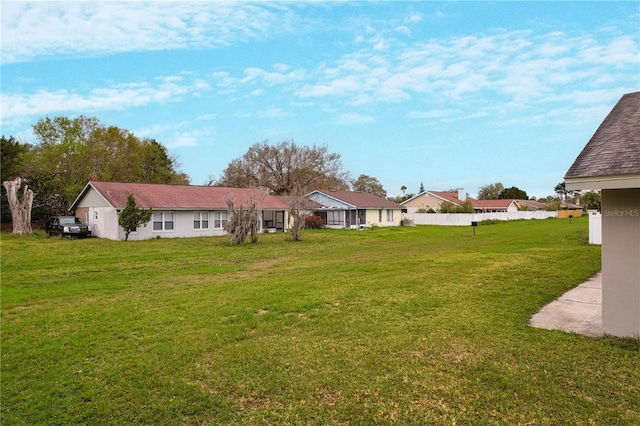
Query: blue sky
<point x="450" y="94"/>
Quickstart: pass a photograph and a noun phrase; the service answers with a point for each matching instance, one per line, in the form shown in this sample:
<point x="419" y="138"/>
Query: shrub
<point x="313" y="222"/>
<point x="490" y="221"/>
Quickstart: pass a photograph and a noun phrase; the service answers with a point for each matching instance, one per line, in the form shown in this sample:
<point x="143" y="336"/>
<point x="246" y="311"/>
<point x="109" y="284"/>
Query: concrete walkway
<point x="579" y="310"/>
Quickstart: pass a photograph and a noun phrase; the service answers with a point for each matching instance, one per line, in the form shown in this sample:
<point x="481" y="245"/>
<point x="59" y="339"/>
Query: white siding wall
<point x="182" y="228"/>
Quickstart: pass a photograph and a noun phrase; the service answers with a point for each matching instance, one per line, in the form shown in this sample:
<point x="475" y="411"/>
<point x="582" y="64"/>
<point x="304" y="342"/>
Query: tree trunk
<point x="20" y="209"/>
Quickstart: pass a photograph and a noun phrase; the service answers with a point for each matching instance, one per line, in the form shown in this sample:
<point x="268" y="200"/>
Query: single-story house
<point x="491" y="206"/>
<point x="433" y="200"/>
<point x="354" y="209"/>
<point x="531" y="205"/>
<point x="178" y="210"/>
<point x="610" y="162"/>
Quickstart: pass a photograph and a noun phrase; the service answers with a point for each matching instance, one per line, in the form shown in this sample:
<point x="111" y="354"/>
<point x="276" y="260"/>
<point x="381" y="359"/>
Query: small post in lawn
<point x="473" y="225"/>
<point x="570" y="217"/>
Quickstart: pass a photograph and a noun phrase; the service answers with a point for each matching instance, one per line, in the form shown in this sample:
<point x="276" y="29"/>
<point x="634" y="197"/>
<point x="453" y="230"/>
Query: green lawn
<point x="422" y="325"/>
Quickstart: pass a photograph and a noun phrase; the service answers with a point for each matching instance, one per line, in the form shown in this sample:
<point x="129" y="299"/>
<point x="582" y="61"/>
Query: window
<point x="335" y="217"/>
<point x="200" y="220"/>
<point x="219" y="219"/>
<point x="389" y="215"/>
<point x="163" y="221"/>
<point x="380" y="215"/>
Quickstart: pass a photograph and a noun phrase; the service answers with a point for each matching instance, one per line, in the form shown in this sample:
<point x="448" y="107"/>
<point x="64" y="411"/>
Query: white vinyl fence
<point x="465" y="219"/>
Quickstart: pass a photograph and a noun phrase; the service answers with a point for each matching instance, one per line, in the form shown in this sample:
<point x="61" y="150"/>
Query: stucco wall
<point x="373" y="217"/>
<point x="621" y="262"/>
<point x="423" y="201"/>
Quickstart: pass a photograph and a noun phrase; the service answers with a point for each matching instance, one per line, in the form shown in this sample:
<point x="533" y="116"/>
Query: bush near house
<point x="313" y="222"/>
<point x="405" y="325"/>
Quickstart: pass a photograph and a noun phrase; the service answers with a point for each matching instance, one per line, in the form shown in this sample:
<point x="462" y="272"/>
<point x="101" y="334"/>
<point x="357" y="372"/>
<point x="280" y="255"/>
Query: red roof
<point x="361" y="199"/>
<point x="180" y="197"/>
<point x="452" y="197"/>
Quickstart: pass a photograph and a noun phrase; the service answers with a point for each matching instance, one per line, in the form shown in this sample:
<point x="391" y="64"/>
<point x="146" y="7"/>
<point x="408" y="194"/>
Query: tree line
<point x="68" y="152"/>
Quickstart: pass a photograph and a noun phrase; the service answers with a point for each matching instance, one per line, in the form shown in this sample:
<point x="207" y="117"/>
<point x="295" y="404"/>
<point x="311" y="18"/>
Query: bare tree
<point x="20" y="209"/>
<point x="298" y="210"/>
<point x="281" y="168"/>
<point x="242" y="221"/>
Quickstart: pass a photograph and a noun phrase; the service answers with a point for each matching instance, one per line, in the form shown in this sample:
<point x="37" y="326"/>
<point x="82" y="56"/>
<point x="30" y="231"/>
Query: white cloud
<point x="520" y="67"/>
<point x="47" y="29"/>
<point x="173" y="135"/>
<point x="116" y="97"/>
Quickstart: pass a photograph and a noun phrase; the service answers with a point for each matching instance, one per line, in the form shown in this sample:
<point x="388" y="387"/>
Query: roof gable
<point x="179" y="197"/>
<point x="358" y="199"/>
<point x="492" y="204"/>
<point x="614" y="149"/>
<point x="449" y="196"/>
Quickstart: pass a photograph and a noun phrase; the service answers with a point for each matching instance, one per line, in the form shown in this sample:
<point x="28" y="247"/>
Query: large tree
<point x="565" y="195"/>
<point x="70" y="151"/>
<point x="591" y="200"/>
<point x="513" y="193"/>
<point x="286" y="168"/>
<point x="370" y="184"/>
<point x="491" y="191"/>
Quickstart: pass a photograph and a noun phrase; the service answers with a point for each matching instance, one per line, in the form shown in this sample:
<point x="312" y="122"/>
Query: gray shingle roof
<point x="614" y="148"/>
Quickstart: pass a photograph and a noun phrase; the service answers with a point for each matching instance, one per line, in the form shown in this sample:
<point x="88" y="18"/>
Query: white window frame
<point x="202" y="219"/>
<point x="163" y="221"/>
<point x="390" y="216"/>
<point x="220" y="219"/>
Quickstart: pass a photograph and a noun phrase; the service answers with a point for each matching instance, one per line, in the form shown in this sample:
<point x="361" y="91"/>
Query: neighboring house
<point x="178" y="210"/>
<point x="610" y="162"/>
<point x="531" y="205"/>
<point x="355" y="209"/>
<point x="492" y="206"/>
<point x="433" y="200"/>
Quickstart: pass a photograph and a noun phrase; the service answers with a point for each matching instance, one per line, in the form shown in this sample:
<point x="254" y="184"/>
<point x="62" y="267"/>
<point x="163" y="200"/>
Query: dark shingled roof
<point x="614" y="149"/>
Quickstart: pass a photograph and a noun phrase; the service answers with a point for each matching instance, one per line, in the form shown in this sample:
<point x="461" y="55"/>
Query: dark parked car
<point x="68" y="226"/>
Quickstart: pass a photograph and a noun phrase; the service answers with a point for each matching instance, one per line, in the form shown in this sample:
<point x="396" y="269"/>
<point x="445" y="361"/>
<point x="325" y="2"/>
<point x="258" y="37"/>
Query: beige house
<point x="433" y="200"/>
<point x="354" y="209"/>
<point x="610" y="162"/>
